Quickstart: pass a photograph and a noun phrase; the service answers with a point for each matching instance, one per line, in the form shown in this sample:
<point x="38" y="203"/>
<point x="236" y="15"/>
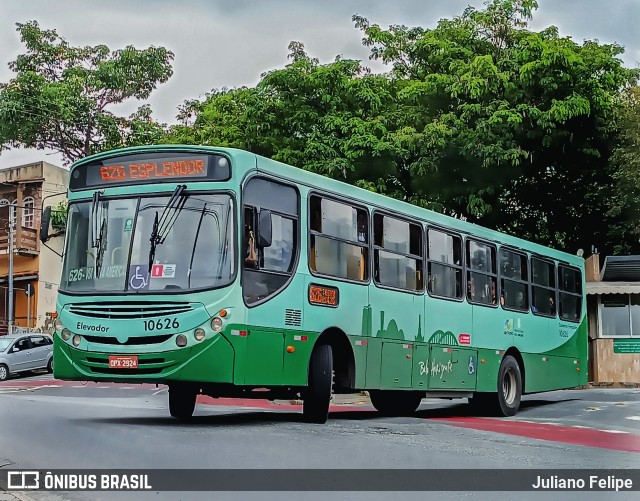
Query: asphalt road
<point x="47" y="424"/>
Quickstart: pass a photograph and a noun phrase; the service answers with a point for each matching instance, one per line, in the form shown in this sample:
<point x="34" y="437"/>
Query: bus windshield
<point x="109" y="245"/>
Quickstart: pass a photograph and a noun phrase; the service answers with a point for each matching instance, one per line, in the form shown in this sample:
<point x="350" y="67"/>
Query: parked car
<point x="25" y="353"/>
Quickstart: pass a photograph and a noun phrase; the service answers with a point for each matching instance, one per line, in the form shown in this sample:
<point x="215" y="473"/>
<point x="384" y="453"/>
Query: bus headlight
<point x="66" y="334"/>
<point x="181" y="340"/>
<point x="199" y="334"/>
<point x="57" y="324"/>
<point x="216" y="324"/>
<point x="76" y="340"/>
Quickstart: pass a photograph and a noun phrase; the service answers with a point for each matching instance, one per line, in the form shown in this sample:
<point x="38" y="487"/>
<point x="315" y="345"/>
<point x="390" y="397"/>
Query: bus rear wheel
<point x="506" y="401"/>
<point x="182" y="401"/>
<point x="509" y="386"/>
<point x="394" y="402"/>
<point x="317" y="395"/>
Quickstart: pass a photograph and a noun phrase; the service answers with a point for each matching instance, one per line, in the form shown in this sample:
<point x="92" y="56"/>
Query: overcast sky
<point x="229" y="43"/>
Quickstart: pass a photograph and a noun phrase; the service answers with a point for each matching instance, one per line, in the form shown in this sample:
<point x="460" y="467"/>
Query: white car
<point x="25" y="353"/>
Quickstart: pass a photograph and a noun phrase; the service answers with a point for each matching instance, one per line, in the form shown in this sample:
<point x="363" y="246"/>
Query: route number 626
<point x="161" y="324"/>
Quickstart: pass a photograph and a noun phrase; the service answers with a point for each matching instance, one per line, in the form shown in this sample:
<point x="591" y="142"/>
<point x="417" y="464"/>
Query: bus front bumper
<point x="210" y="361"/>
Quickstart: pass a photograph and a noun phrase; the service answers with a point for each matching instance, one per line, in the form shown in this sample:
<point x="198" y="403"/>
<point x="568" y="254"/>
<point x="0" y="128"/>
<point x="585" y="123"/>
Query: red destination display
<point x="195" y="167"/>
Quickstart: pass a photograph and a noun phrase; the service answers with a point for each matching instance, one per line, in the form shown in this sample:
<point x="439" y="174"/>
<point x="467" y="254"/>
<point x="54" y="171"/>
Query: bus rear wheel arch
<point x="506" y="400"/>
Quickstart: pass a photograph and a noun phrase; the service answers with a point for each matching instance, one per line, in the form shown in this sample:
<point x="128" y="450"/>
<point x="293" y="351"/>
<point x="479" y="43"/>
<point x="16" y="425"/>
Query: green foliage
<point x="59" y="96"/>
<point x="59" y="216"/>
<point x="479" y="118"/>
<point x="625" y="201"/>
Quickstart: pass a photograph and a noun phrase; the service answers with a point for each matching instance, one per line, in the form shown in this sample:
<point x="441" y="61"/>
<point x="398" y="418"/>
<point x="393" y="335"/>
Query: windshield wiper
<point x="102" y="245"/>
<point x="163" y="223"/>
<point x="98" y="232"/>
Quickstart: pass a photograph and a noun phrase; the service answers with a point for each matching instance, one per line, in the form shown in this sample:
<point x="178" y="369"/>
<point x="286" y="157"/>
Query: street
<point x="49" y="424"/>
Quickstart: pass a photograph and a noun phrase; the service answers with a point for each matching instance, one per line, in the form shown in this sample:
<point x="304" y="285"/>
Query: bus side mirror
<point x="264" y="228"/>
<point x="44" y="224"/>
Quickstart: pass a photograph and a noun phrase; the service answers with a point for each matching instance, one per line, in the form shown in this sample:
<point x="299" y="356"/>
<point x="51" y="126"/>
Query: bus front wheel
<point x="395" y="402"/>
<point x="182" y="401"/>
<point x="317" y="395"/>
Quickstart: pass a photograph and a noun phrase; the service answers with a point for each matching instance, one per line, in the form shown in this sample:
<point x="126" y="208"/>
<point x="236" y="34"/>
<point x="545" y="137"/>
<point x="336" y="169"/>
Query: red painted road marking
<point x="555" y="433"/>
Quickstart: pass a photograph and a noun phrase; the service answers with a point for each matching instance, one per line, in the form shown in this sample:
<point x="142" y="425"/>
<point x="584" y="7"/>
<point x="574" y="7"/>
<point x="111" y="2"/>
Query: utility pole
<point x="10" y="277"/>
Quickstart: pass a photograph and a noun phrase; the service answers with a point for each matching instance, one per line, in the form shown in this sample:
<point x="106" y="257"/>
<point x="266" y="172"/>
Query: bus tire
<point x="50" y="366"/>
<point x="317" y="394"/>
<point x="182" y="401"/>
<point x="509" y="387"/>
<point x="395" y="402"/>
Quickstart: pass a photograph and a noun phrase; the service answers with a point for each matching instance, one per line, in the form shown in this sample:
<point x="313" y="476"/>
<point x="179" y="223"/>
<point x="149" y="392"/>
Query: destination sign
<point x="323" y="295"/>
<point x="195" y="167"/>
<point x="150" y="168"/>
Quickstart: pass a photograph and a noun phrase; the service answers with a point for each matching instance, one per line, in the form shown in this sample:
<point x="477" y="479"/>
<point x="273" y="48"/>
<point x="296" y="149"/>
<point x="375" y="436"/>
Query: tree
<point x="60" y="94"/>
<point x="625" y="202"/>
<point x="479" y="117"/>
<point x="529" y="114"/>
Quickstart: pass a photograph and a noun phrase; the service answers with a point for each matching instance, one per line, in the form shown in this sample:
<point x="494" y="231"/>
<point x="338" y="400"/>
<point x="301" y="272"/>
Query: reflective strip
<point x="407" y="346"/>
<point x="300" y="338"/>
<point x="238" y="333"/>
<point x="447" y="350"/>
<point x="545" y="359"/>
<point x="499" y="352"/>
<point x="361" y="343"/>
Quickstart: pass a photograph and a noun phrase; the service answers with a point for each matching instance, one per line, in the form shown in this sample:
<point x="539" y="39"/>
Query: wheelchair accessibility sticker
<point x="138" y="277"/>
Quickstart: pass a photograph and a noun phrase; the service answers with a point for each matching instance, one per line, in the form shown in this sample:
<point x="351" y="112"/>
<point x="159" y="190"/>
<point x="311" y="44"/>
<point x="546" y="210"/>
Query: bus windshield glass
<point x="197" y="253"/>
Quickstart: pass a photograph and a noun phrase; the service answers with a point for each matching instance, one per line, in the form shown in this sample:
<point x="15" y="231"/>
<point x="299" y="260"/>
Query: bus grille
<point x="131" y="341"/>
<point x="130" y="309"/>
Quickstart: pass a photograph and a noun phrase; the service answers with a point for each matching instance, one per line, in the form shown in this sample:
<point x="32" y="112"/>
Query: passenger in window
<point x="493" y="293"/>
<point x="552" y="306"/>
<point x="520" y="300"/>
<point x="251" y="255"/>
<point x="362" y="230"/>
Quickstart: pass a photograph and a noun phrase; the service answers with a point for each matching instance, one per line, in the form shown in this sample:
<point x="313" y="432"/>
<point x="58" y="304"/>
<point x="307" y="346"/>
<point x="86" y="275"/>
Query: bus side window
<point x="338" y="239"/>
<point x="444" y="257"/>
<point x="268" y="269"/>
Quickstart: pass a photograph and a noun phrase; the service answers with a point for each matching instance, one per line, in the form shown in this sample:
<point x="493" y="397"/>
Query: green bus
<point x="216" y="271"/>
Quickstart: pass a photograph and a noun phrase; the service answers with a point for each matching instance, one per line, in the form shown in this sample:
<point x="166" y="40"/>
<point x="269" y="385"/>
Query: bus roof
<point x="366" y="197"/>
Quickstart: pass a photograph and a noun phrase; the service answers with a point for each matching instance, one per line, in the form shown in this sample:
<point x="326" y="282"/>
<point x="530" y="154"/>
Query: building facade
<point x="36" y="266"/>
<point x="613" y="308"/>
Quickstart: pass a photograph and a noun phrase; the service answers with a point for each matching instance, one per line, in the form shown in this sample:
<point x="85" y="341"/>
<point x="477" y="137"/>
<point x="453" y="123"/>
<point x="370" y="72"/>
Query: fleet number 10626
<point x="161" y="324"/>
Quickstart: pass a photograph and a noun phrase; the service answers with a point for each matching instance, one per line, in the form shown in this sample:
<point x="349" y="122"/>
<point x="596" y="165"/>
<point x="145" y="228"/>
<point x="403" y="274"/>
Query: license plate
<point x="119" y="362"/>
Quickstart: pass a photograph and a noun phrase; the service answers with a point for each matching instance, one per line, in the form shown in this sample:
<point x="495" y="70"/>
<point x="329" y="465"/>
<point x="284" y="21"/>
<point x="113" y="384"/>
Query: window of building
<point x="444" y="256"/>
<point x="397" y="253"/>
<point x="338" y="239"/>
<point x="514" y="280"/>
<point x="570" y="293"/>
<point x="267" y="270"/>
<point x="28" y="212"/>
<point x="620" y="315"/>
<point x="482" y="280"/>
<point x="543" y="298"/>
